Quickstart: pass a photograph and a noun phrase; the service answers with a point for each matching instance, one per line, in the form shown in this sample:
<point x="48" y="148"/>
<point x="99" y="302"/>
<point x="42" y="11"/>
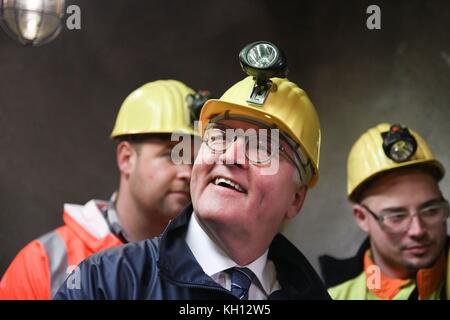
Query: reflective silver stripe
<point x="57" y="258"/>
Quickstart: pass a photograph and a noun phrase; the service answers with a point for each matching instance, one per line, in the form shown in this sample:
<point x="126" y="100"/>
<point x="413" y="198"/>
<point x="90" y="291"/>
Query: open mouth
<point x="227" y="183"/>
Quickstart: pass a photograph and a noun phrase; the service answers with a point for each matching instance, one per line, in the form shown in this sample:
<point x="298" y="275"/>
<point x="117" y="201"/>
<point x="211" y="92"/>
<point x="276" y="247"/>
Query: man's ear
<point x="297" y="201"/>
<point x="126" y="157"/>
<point x="361" y="218"/>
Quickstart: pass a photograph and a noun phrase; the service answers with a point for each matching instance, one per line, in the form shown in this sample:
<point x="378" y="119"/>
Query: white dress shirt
<point x="214" y="261"/>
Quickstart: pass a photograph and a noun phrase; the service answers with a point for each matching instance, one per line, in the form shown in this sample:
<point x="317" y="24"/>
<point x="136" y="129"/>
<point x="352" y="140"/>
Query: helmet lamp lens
<point x="262" y="56"/>
<point x="401" y="151"/>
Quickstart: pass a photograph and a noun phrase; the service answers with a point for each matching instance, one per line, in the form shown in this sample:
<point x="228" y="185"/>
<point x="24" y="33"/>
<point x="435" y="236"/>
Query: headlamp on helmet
<point x="398" y="143"/>
<point x="262" y="60"/>
<point x="195" y="103"/>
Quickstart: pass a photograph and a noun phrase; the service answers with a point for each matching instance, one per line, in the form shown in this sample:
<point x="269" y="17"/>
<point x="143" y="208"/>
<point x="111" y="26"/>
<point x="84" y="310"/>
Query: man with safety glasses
<point x="393" y="183"/>
<point x="258" y="158"/>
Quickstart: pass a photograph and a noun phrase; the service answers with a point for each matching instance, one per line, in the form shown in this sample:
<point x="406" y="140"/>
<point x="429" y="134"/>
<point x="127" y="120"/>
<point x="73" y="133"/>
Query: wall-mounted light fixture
<point x="32" y="22"/>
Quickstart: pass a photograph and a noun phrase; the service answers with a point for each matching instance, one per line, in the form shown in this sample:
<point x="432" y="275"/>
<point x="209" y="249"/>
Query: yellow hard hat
<point x="286" y="106"/>
<point x="156" y="107"/>
<point x="383" y="148"/>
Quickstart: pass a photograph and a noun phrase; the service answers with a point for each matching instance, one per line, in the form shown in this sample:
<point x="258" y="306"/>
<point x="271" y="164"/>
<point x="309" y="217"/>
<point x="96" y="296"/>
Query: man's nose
<point x="184" y="172"/>
<point x="416" y="228"/>
<point x="235" y="153"/>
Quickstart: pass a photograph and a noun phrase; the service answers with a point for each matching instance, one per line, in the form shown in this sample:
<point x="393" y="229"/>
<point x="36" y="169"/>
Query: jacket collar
<point x="428" y="280"/>
<point x="176" y="261"/>
<point x="336" y="271"/>
<point x="89" y="224"/>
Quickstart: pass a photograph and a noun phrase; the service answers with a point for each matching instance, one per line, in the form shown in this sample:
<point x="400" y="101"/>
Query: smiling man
<point x="393" y="184"/>
<point x="258" y="158"/>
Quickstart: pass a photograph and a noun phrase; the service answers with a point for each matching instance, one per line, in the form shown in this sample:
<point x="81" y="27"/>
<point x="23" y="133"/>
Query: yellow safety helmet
<point x="266" y="97"/>
<point x="157" y="107"/>
<point x="383" y="148"/>
<point x="286" y="106"/>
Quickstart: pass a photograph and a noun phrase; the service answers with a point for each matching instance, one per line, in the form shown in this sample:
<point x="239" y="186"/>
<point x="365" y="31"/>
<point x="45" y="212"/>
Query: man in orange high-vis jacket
<point x="152" y="190"/>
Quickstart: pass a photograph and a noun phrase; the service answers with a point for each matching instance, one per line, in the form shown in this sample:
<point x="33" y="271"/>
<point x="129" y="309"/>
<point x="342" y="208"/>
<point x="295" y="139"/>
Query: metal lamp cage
<point x="32" y="22"/>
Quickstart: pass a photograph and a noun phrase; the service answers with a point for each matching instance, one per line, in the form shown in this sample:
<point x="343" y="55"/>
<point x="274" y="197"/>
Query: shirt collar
<point x="213" y="258"/>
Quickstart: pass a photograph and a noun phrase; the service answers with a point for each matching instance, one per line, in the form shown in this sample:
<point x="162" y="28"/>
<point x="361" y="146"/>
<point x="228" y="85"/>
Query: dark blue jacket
<point x="164" y="268"/>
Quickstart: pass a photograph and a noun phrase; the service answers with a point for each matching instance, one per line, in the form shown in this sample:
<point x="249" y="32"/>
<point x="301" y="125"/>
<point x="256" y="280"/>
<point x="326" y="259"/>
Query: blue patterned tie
<point x="241" y="279"/>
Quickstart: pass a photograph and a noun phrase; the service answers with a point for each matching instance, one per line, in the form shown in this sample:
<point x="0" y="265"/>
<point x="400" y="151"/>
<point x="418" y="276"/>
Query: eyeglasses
<point x="260" y="147"/>
<point x="398" y="221"/>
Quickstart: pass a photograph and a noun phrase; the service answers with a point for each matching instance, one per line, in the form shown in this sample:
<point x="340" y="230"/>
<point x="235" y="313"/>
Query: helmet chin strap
<point x="301" y="161"/>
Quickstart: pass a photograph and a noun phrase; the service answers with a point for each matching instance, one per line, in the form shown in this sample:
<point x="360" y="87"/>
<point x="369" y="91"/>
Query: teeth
<point x="229" y="182"/>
